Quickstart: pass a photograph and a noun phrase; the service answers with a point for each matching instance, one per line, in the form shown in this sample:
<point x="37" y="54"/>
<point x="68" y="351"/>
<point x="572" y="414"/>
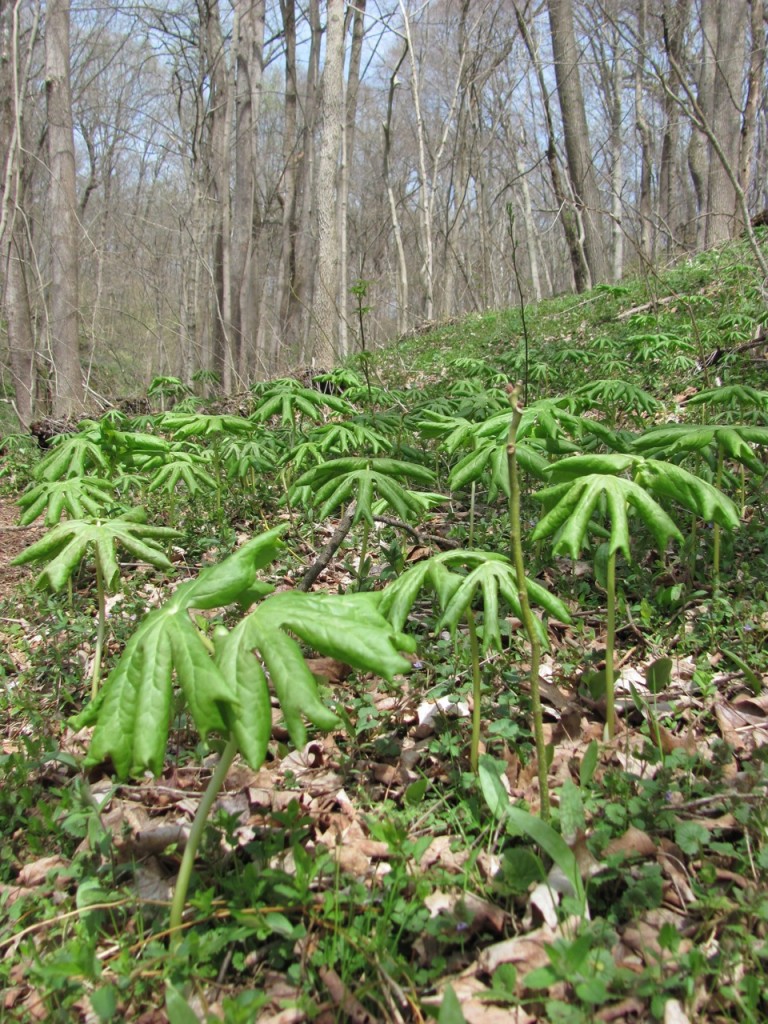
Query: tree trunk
<point x="675" y="222"/>
<point x="326" y="304"/>
<point x="403" y="311"/>
<point x="347" y="155"/>
<point x="246" y="217"/>
<point x="18" y="317"/>
<point x="645" y="204"/>
<point x="755" y="77"/>
<point x="568" y="216"/>
<point x="217" y="174"/>
<point x="581" y="170"/>
<point x="724" y="220"/>
<point x="67" y="394"/>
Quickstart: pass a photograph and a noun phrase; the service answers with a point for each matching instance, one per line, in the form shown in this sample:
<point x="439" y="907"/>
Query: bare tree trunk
<point x="326" y="304"/>
<point x="529" y="226"/>
<point x="18" y="316"/>
<point x="755" y="77"/>
<point x="672" y="187"/>
<point x="286" y="279"/>
<point x="581" y="170"/>
<point x="424" y="201"/>
<point x="403" y="312"/>
<point x="347" y="154"/>
<point x="248" y="64"/>
<point x="645" y="204"/>
<point x="218" y="178"/>
<point x="724" y="220"/>
<point x="67" y="399"/>
<point x="296" y="276"/>
<point x="568" y="217"/>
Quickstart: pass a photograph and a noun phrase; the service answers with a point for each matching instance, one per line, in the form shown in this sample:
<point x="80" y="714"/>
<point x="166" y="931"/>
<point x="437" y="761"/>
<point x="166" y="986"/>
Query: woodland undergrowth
<point x="435" y="690"/>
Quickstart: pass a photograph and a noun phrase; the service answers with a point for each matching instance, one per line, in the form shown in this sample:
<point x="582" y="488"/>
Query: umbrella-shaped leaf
<point x="576" y="502"/>
<point x="64" y="547"/>
<point x="78" y="496"/>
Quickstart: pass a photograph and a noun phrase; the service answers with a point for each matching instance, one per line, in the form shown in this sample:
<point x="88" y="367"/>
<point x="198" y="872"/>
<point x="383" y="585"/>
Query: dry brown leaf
<point x="669" y="742"/>
<point x="674" y="1013"/>
<point x="36" y="873"/>
<point x="526" y="952"/>
<point x="633" y="843"/>
<point x="10" y="893"/>
<point x="627" y="1009"/>
<point x="330" y="670"/>
<point x="439" y="852"/>
<point x="351" y="1008"/>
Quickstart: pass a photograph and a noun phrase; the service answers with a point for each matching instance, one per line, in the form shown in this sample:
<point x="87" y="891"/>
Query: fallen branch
<point x="324" y="558"/>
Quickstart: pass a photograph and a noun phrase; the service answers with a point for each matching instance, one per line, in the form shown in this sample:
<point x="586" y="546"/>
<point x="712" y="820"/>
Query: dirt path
<point x="13" y="540"/>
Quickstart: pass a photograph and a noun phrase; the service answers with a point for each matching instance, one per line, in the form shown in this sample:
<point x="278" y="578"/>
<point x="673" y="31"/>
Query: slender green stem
<point x="474" y="648"/>
<point x="101" y="630"/>
<point x="692" y="541"/>
<point x="472" y="515"/>
<point x="363" y="554"/>
<point x="610" y="644"/>
<point x="716" y="527"/>
<point x="525" y="606"/>
<point x="196" y="834"/>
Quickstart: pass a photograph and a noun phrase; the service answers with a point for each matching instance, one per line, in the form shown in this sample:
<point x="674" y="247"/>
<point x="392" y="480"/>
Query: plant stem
<point x="193" y="842"/>
<point x="716" y="525"/>
<point x="363" y="554"/>
<point x="472" y="515"/>
<point x="525" y="606"/>
<point x="610" y="644"/>
<point x="100" y="631"/>
<point x="474" y="750"/>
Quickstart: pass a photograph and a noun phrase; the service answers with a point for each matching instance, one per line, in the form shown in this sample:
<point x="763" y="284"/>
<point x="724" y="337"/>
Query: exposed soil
<point x="13" y="540"/>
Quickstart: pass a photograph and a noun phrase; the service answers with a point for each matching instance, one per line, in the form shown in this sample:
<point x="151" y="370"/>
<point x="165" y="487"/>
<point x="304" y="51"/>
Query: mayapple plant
<point x="359" y="479"/>
<point x="225" y="684"/>
<point x="591" y="485"/>
<point x="64" y="547"/>
<point x="724" y="441"/>
<point x="460" y="579"/>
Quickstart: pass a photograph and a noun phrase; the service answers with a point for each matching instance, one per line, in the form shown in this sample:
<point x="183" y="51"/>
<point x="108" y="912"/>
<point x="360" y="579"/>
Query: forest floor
<point x="370" y="872"/>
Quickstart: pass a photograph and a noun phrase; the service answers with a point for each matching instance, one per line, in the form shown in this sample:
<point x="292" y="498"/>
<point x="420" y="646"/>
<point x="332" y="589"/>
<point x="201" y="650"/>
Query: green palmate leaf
<point x="73" y="455"/>
<point x="64" y="547"/>
<point x="334" y="483"/>
<point x="183" y="425"/>
<point x="132" y="449"/>
<point x="735" y="442"/>
<point x="250" y="719"/>
<point x="78" y="496"/>
<point x="229" y="693"/>
<point x="288" y="400"/>
<point x="222" y="584"/>
<point x="459" y="578"/>
<point x="573" y="504"/>
<point x="133" y="712"/>
<point x="189" y="471"/>
<point x="740" y="395"/>
<point x="490" y="458"/>
<point x="662" y="479"/>
<point x="617" y="394"/>
<point x="344" y="437"/>
<point x="132" y="716"/>
<point x="667" y="480"/>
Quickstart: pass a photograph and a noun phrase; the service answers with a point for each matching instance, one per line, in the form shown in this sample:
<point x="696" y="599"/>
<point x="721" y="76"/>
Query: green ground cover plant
<point x="417" y="703"/>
